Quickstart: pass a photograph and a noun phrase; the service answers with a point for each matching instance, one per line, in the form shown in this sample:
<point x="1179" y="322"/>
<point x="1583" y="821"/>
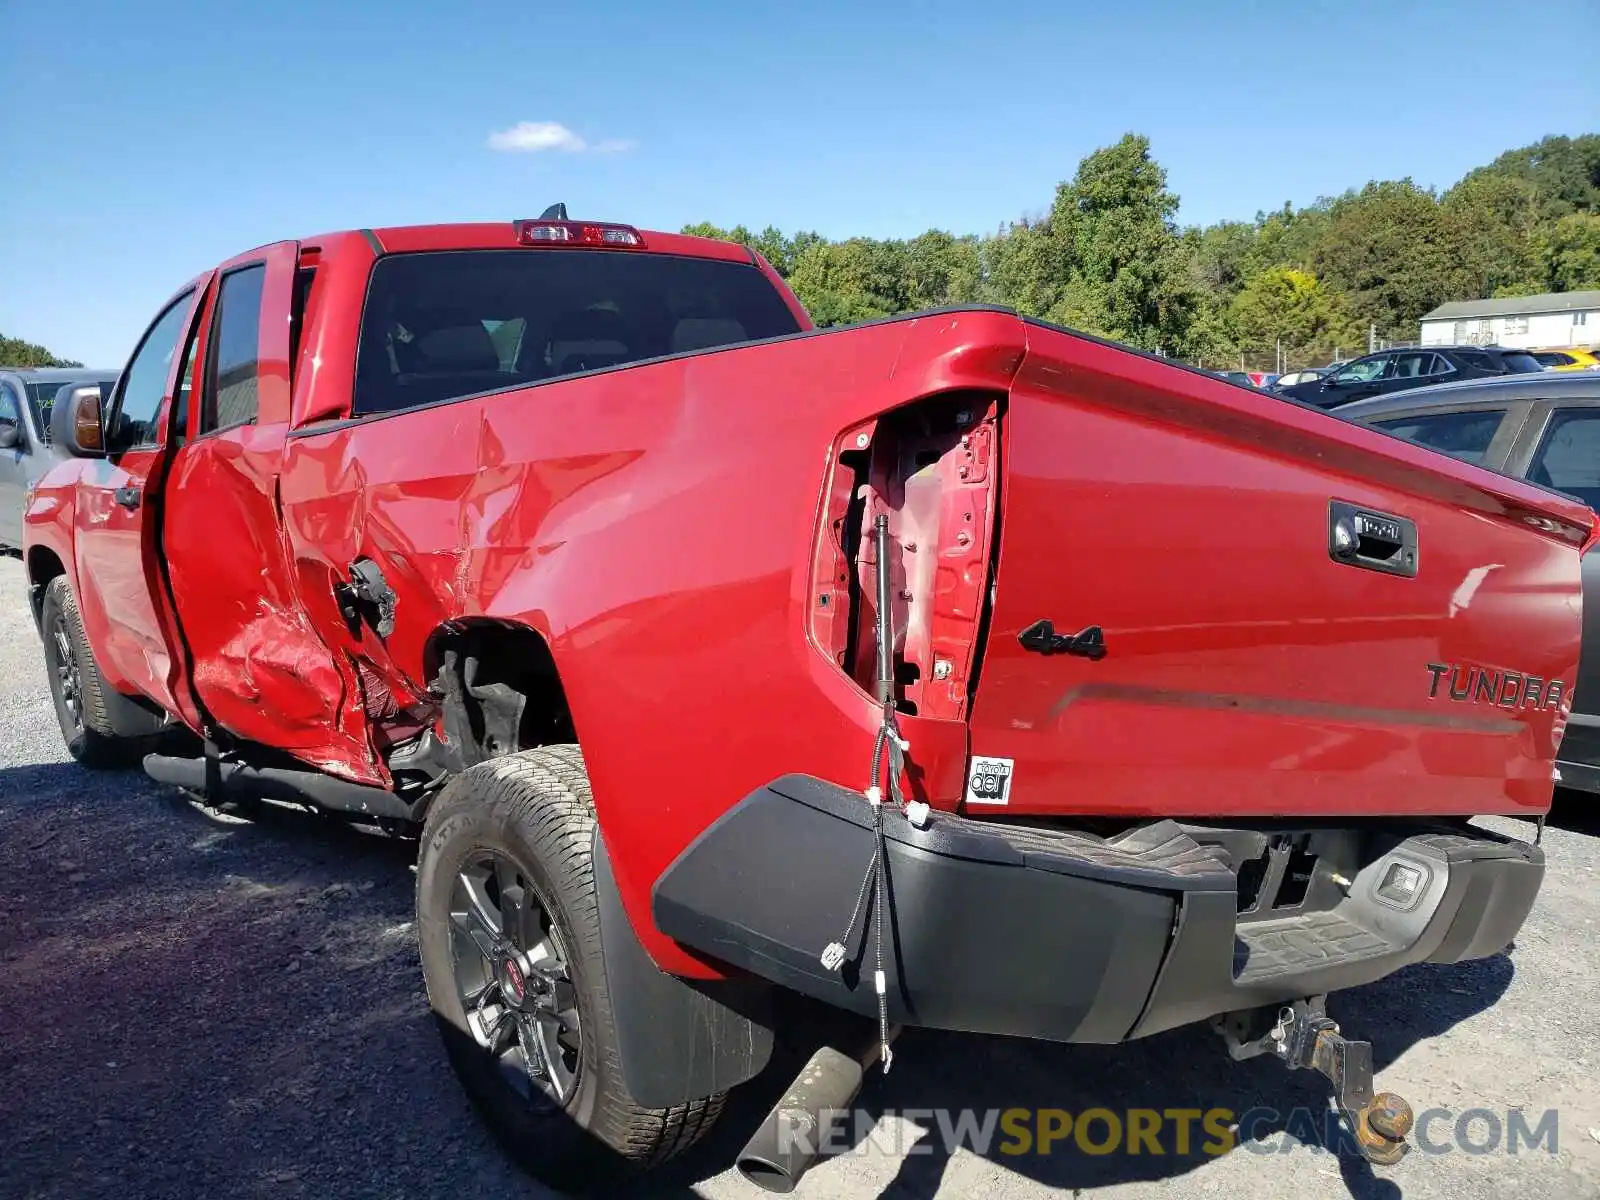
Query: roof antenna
<point x="556" y="212"/>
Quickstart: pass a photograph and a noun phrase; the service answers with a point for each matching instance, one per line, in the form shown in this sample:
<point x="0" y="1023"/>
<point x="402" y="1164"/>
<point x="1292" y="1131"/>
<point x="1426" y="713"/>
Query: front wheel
<point x="509" y="933"/>
<point x="76" y="685"/>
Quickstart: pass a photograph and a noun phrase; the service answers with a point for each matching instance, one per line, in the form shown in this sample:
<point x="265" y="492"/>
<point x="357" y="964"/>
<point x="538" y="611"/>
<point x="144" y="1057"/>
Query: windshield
<point x="1362" y="371"/>
<point x="42" y="398"/>
<point x="442" y="325"/>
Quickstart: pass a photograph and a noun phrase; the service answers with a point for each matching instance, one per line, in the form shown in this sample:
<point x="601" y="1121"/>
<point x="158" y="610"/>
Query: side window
<point x="1568" y="458"/>
<point x="1412" y="366"/>
<point x="230" y="387"/>
<point x="144" y="383"/>
<point x="1463" y="435"/>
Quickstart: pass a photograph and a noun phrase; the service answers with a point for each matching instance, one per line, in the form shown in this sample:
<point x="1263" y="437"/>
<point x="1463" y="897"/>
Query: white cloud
<point x="531" y="137"/>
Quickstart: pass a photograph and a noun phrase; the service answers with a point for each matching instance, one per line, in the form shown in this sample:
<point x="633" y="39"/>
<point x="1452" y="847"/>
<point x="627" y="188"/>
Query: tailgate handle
<point x="1372" y="540"/>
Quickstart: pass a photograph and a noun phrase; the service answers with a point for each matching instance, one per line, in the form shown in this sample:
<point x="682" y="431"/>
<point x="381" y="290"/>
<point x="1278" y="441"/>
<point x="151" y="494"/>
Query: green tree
<point x="1562" y="173"/>
<point x="1223" y="255"/>
<point x="841" y="283"/>
<point x="1107" y="257"/>
<point x="1286" y="306"/>
<point x="1490" y="219"/>
<point x="940" y="270"/>
<point x="1023" y="268"/>
<point x="14" y="352"/>
<point x="1568" y="253"/>
<point x="1387" y="247"/>
<point x="1128" y="277"/>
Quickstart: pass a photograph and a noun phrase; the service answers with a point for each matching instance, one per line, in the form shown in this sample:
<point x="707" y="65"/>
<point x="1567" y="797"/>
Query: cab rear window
<point x="446" y="324"/>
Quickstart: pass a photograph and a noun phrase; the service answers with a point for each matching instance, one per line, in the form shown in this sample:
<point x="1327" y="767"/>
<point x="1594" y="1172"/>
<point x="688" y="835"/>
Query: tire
<point x="76" y="685"/>
<point x="531" y="814"/>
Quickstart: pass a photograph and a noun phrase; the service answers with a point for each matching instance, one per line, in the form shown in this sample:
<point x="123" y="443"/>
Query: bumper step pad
<point x="1296" y="945"/>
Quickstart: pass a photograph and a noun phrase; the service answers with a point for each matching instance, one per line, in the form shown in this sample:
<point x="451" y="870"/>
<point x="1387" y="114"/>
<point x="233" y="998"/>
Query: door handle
<point x="128" y="497"/>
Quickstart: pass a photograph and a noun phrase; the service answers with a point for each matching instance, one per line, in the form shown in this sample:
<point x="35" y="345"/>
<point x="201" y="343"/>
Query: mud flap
<point x="678" y="1041"/>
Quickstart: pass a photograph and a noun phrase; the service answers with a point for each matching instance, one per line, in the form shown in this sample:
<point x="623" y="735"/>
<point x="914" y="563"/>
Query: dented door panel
<point x="260" y="666"/>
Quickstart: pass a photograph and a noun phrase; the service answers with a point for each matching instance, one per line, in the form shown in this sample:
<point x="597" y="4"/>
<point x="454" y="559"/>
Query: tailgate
<point x="1247" y="668"/>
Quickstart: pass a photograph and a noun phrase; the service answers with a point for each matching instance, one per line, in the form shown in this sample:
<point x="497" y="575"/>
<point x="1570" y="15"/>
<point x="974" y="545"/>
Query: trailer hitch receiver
<point x="1304" y="1037"/>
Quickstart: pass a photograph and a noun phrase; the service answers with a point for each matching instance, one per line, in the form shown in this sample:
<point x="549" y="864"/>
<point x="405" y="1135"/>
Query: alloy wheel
<point x="68" y="676"/>
<point x="513" y="980"/>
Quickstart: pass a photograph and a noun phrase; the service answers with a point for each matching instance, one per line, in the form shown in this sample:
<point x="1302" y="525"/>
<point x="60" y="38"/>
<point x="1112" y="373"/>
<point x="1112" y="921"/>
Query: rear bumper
<point x="1003" y="929"/>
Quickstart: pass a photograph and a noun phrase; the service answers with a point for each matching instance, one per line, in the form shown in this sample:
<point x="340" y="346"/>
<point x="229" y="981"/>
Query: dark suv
<point x="1396" y="370"/>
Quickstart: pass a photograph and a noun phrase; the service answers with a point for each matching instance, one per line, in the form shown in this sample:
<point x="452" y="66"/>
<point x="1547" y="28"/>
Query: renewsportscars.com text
<point x="1174" y="1132"/>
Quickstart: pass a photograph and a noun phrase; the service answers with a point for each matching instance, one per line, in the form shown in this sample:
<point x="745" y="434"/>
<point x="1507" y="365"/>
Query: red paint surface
<point x="662" y="527"/>
<point x="1247" y="672"/>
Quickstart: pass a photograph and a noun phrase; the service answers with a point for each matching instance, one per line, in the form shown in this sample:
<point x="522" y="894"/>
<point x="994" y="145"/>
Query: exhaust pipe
<point x="789" y="1142"/>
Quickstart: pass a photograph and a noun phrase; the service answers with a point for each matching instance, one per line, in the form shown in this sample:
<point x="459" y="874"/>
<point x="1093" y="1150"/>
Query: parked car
<point x="1304" y="375"/>
<point x="1397" y="370"/>
<point x="26" y="397"/>
<point x="1545" y="429"/>
<point x="1259" y="380"/>
<point x="1567" y="358"/>
<point x="687" y="640"/>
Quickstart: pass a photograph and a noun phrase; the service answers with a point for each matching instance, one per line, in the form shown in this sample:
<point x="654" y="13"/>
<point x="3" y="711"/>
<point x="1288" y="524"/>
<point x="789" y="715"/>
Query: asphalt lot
<point x="192" y="1004"/>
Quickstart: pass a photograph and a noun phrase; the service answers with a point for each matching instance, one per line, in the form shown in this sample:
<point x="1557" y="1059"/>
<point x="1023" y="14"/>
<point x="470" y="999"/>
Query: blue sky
<point x="145" y="141"/>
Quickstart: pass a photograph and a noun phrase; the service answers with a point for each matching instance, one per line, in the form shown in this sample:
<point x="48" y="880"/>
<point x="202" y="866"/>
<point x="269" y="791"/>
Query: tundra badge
<point x="1507" y="689"/>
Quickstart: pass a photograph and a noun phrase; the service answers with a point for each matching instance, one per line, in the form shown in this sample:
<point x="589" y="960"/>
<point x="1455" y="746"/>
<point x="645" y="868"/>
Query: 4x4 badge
<point x="1042" y="638"/>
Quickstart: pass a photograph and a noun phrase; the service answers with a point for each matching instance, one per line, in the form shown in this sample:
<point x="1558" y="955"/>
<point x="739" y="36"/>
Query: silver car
<point x="27" y="395"/>
<point x="1543" y="427"/>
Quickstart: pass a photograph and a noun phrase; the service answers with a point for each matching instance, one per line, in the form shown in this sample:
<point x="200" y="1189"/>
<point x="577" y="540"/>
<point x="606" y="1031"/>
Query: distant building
<point x="1558" y="319"/>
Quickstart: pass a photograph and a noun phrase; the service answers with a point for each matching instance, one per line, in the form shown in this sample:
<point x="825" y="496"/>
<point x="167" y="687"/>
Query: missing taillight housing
<point x="933" y="468"/>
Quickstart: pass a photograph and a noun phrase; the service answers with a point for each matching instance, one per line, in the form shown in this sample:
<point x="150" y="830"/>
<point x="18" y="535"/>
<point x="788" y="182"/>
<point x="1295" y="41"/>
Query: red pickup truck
<point x="954" y="670"/>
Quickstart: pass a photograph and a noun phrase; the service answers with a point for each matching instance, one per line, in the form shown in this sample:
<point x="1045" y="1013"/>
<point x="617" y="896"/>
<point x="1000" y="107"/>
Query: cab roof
<point x="504" y="235"/>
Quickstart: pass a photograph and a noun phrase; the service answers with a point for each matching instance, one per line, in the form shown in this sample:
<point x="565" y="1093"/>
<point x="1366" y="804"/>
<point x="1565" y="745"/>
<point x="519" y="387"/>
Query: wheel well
<point x="43" y="566"/>
<point x="500" y="687"/>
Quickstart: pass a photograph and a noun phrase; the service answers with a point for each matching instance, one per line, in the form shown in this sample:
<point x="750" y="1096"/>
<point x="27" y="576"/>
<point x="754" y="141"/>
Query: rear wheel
<point x="509" y="932"/>
<point x="76" y="685"/>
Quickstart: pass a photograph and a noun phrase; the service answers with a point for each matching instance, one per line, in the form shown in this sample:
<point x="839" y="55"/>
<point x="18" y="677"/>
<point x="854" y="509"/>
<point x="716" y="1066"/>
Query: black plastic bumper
<point x="1006" y="929"/>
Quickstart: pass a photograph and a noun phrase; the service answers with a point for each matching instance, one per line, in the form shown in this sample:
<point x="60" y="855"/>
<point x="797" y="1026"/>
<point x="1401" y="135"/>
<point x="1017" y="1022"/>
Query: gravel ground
<point x="196" y="1005"/>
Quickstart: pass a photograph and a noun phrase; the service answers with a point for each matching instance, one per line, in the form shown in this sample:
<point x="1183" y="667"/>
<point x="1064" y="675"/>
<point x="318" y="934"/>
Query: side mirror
<point x="76" y="422"/>
<point x="9" y="437"/>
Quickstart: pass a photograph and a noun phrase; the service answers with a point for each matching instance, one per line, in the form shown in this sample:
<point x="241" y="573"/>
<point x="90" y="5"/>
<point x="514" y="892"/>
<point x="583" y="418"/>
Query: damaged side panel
<point x="655" y="528"/>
